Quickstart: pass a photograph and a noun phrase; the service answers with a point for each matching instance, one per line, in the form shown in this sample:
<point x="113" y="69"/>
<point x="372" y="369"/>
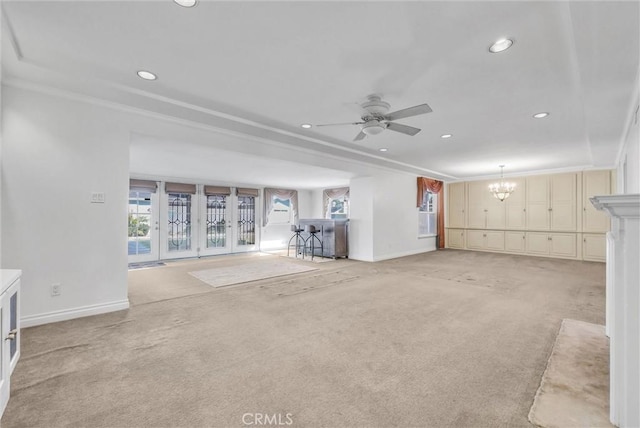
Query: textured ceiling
<point x="261" y="69"/>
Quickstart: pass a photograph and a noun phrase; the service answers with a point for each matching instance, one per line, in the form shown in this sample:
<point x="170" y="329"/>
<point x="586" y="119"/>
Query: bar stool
<point x="311" y="239"/>
<point x="300" y="242"/>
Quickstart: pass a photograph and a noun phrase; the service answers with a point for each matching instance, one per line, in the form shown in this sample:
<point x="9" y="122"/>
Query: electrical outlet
<point x="56" y="289"/>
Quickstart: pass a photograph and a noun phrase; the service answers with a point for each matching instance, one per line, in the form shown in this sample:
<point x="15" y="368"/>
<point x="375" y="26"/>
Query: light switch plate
<point x="97" y="197"/>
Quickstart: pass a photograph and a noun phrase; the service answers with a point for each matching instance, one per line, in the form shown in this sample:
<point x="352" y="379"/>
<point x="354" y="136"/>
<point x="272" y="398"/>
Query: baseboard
<point x="67" y="314"/>
<point x="402" y="254"/>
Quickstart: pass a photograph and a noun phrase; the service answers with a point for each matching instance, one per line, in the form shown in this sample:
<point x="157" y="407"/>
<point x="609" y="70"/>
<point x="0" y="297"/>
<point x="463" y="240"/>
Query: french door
<point x="183" y="220"/>
<point x="143" y="243"/>
<point x="227" y="223"/>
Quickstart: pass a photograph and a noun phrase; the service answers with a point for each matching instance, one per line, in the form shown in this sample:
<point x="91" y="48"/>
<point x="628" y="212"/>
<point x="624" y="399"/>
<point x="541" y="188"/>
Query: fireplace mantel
<point x="623" y="305"/>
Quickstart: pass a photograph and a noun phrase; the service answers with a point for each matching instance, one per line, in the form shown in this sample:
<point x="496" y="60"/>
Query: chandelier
<point x="502" y="190"/>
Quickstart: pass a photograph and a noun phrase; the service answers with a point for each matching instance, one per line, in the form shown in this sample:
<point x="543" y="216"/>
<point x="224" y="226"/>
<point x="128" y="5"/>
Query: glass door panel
<point x="142" y="227"/>
<point x="217" y="225"/>
<point x="178" y="239"/>
<point x="245" y="230"/>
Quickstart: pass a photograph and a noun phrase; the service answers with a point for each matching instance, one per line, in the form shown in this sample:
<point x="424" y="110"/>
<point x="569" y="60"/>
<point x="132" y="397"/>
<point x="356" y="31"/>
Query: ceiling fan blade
<point x="338" y="124"/>
<point x="398" y="127"/>
<point x="360" y="136"/>
<point x="408" y="112"/>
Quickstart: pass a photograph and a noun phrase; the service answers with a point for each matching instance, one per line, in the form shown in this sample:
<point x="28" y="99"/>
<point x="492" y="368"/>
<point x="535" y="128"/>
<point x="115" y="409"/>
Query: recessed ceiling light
<point x="500" y="45"/>
<point x="383" y="150"/>
<point x="541" y="115"/>
<point x="446" y="136"/>
<point x="147" y="75"/>
<point x="186" y="3"/>
<point x="306" y="125"/>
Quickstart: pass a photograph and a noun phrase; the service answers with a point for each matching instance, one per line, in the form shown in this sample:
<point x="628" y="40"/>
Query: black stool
<point x="300" y="242"/>
<point x="311" y="239"/>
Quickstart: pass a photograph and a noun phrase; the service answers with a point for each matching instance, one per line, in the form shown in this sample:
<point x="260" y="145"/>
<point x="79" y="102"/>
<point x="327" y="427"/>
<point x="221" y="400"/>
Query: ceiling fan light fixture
<point x="186" y="3"/>
<point x="146" y="75"/>
<point x="501" y="45"/>
<point x="373" y="127"/>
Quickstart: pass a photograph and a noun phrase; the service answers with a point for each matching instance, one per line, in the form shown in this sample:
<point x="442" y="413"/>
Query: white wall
<point x="384" y="219"/>
<point x="628" y="173"/>
<point x="57" y="152"/>
<point x="361" y="197"/>
<point x="396" y="218"/>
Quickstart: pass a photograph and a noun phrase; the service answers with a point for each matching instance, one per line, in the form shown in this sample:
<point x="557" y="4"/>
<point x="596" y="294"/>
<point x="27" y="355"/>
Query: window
<point x="339" y="208"/>
<point x="281" y="212"/>
<point x="428" y="215"/>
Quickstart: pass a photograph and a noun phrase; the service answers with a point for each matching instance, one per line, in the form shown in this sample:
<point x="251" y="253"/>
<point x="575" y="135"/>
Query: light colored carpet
<point x="444" y="339"/>
<point x="574" y="391"/>
<point x="223" y="276"/>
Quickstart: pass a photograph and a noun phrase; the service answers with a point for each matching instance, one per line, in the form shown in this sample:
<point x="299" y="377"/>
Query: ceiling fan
<point x="375" y="118"/>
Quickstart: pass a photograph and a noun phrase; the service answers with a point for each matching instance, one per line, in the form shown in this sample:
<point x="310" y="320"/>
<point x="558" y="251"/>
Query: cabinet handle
<point x="584" y="240"/>
<point x="524" y="210"/>
<point x="12" y="335"/>
<point x="484" y="235"/>
<point x="550" y="209"/>
<point x="486" y="210"/>
<point x="523" y="236"/>
<point x="584" y="209"/>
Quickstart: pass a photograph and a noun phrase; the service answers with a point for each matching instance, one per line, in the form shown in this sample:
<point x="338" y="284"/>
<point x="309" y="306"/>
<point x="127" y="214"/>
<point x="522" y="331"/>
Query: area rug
<point x="223" y="276"/>
<point x="574" y="391"/>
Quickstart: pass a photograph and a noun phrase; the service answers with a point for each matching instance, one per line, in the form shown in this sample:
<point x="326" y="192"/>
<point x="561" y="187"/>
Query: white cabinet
<point x="551" y="202"/>
<point x="546" y="215"/>
<point x="562" y="245"/>
<point x="564" y="201"/>
<point x="455" y="206"/>
<point x="594" y="247"/>
<point x="455" y="238"/>
<point x="485" y="211"/>
<point x="595" y="183"/>
<point x="515" y="206"/>
<point x="537" y="205"/>
<point x="491" y="240"/>
<point x="9" y="330"/>
<point x="514" y="242"/>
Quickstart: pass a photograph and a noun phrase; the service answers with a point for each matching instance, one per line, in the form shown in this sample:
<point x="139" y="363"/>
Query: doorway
<point x="188" y="220"/>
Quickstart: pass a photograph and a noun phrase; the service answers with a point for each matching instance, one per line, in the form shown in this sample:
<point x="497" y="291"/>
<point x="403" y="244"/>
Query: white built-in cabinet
<point x="9" y="330"/>
<point x="455" y="238"/>
<point x="551" y="202"/>
<point x="456" y="205"/>
<point x="547" y="215"/>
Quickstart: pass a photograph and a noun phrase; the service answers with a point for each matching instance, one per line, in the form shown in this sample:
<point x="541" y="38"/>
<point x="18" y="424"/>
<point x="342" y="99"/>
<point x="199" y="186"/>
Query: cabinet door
<point x="563" y="245"/>
<point x="495" y="211"/>
<point x="537" y="243"/>
<point x="595" y="183"/>
<point x="594" y="247"/>
<point x="514" y="242"/>
<point x="494" y="240"/>
<point x="476" y="200"/>
<point x="475" y="239"/>
<point x="563" y="201"/>
<point x="455" y="212"/>
<point x="456" y="238"/>
<point x="537" y="203"/>
<point x="515" y="212"/>
<point x="4" y="352"/>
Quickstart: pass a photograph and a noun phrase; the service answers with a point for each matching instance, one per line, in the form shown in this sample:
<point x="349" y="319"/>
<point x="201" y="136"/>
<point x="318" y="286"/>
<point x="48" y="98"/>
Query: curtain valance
<point x="328" y="194"/>
<point x="292" y="195"/>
